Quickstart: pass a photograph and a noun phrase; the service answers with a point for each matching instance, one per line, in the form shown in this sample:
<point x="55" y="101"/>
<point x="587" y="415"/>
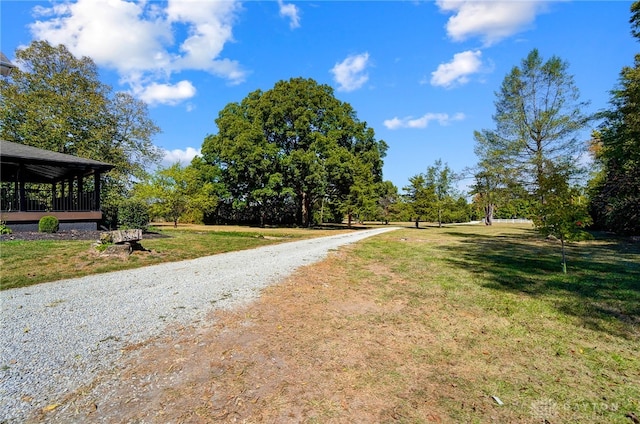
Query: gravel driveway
<point x="56" y="337"/>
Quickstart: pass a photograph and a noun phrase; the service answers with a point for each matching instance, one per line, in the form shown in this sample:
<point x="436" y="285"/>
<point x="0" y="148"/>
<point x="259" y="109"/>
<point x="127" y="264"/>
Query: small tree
<point x="564" y="213"/>
<point x="175" y="191"/>
<point x="429" y="194"/>
<point x="387" y="200"/>
<point x="419" y="197"/>
<point x="440" y="179"/>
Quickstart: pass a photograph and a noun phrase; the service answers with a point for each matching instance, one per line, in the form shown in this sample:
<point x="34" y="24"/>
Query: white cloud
<point x="138" y="39"/>
<point x="350" y="73"/>
<point x="183" y="156"/>
<point x="166" y="94"/>
<point x="121" y="38"/>
<point x="422" y="122"/>
<point x="210" y="28"/>
<point x="458" y="70"/>
<point x="290" y="11"/>
<point x="492" y="21"/>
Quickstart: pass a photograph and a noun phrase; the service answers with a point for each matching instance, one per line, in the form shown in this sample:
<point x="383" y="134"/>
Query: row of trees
<point x="297" y="155"/>
<point x="534" y="160"/>
<point x="184" y="194"/>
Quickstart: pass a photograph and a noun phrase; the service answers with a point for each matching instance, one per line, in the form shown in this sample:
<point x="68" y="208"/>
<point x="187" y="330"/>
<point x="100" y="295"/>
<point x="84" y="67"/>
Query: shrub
<point x="4" y="229"/>
<point x="133" y="213"/>
<point x="48" y="224"/>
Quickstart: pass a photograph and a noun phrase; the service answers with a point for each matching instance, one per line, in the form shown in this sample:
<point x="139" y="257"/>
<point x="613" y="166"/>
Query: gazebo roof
<point x="44" y="166"/>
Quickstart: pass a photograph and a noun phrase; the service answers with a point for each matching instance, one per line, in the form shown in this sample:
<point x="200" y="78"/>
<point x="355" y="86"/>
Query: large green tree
<point x="295" y="143"/>
<point x="539" y="116"/>
<point x="55" y="101"/>
<point x="616" y="197"/>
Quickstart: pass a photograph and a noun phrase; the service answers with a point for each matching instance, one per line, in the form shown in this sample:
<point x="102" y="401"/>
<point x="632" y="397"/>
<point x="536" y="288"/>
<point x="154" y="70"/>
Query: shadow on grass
<point x="601" y="288"/>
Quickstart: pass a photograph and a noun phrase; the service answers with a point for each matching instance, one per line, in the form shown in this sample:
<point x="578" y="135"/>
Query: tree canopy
<point x="177" y="192"/>
<point x="431" y="196"/>
<point x="616" y="196"/>
<point x="292" y="148"/>
<point x="56" y="101"/>
<point x="538" y="118"/>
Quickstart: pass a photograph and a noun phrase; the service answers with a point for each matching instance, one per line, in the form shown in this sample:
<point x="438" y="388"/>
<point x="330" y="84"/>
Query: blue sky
<point x="422" y="74"/>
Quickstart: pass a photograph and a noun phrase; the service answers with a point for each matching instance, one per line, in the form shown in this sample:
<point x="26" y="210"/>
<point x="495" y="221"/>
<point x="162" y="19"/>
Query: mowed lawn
<point x="486" y="311"/>
<point x="23" y="263"/>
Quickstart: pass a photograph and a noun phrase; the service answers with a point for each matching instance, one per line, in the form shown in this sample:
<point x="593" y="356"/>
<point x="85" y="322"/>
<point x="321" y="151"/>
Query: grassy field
<point x="486" y="311"/>
<point x="23" y="263"/>
<point x="463" y="323"/>
<point x="458" y="324"/>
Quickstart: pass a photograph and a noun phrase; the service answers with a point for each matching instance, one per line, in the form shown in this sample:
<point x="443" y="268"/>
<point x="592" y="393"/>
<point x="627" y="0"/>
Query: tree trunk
<point x="564" y="257"/>
<point x="418" y="222"/>
<point x="439" y="218"/>
<point x="349" y="219"/>
<point x="488" y="214"/>
<point x="306" y="209"/>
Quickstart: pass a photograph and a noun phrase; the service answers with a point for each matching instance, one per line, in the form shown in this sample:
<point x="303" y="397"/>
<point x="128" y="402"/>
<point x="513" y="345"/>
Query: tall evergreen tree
<point x="538" y="118"/>
<point x="616" y="197"/>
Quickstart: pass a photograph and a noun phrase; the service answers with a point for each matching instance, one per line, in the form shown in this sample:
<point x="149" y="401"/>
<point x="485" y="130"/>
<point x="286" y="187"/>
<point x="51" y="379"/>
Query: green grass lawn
<point x="23" y="263"/>
<point x="488" y="312"/>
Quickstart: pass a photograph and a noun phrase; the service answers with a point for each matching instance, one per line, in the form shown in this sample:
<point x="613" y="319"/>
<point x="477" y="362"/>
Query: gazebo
<point x="36" y="182"/>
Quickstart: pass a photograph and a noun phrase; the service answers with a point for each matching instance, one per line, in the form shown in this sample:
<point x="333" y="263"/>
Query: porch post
<point x="53" y="196"/>
<point x="81" y="201"/>
<point x="96" y="194"/>
<point x="70" y="195"/>
<point x="62" y="198"/>
<point x="22" y="190"/>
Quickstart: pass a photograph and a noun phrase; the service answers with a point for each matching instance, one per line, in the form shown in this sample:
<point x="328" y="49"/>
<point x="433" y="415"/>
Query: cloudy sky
<point x="422" y="74"/>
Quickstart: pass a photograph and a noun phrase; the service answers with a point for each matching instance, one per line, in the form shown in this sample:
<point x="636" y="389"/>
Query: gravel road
<point x="56" y="337"/>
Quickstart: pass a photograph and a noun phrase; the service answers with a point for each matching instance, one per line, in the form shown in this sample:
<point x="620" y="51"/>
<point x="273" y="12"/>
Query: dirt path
<point x="280" y="359"/>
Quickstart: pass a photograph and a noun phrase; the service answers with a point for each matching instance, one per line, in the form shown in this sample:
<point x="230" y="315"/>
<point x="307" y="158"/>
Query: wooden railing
<point x="41" y="200"/>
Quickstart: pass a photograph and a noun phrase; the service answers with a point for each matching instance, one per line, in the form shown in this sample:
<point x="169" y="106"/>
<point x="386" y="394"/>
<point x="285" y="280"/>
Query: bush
<point x="48" y="224"/>
<point x="133" y="213"/>
<point x="4" y="229"/>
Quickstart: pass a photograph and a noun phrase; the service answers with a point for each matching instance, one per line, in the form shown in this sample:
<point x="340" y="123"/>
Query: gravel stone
<point x="56" y="337"/>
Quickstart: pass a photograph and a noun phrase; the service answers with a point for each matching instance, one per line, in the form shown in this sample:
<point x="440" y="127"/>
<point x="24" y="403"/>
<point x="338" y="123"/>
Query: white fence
<point x="511" y="221"/>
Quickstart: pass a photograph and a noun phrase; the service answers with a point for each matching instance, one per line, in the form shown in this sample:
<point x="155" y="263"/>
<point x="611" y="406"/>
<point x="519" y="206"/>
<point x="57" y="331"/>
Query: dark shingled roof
<point x="44" y="165"/>
<point x="5" y="61"/>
